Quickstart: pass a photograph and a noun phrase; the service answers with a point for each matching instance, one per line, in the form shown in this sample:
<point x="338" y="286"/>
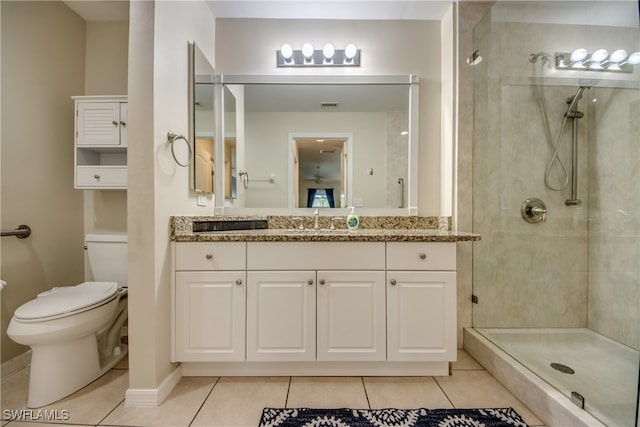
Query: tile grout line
<point x="443" y="392"/>
<point x="203" y="402"/>
<point x="286" y="399"/>
<point x="366" y="395"/>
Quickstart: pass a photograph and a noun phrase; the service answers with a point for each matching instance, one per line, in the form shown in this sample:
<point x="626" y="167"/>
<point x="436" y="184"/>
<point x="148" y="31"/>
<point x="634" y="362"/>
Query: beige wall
<point x="158" y="188"/>
<point x="43" y="45"/>
<point x="388" y="47"/>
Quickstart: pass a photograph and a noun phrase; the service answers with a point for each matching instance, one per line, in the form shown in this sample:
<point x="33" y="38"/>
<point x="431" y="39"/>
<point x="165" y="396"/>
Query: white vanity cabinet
<point x="351" y="316"/>
<point x="281" y="316"/>
<point x="324" y="308"/>
<point x="421" y="301"/>
<point x="320" y="301"/>
<point x="100" y="156"/>
<point x="209" y="302"/>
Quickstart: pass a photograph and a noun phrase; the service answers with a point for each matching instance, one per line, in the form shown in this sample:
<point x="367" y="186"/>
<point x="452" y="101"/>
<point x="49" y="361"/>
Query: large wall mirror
<point x="296" y="142"/>
<point x="202" y="120"/>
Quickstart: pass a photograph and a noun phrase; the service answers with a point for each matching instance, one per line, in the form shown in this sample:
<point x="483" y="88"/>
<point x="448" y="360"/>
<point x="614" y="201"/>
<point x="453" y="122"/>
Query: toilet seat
<point x="66" y="301"/>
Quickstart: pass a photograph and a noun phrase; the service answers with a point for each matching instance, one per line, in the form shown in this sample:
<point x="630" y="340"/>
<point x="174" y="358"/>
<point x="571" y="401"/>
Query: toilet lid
<point x="67" y="299"/>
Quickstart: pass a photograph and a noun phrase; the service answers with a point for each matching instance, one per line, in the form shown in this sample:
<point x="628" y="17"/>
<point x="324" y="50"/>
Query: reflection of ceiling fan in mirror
<point x="318" y="177"/>
<point x="320" y="159"/>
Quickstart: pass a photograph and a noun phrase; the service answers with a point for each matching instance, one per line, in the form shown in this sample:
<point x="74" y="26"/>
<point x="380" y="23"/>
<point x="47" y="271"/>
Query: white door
<point x="351" y="316"/>
<point x="210" y="316"/>
<point x="281" y="315"/>
<point x="421" y="324"/>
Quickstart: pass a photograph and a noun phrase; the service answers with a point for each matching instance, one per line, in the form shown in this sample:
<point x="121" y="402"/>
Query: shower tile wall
<point x="538" y="275"/>
<point x="614" y="285"/>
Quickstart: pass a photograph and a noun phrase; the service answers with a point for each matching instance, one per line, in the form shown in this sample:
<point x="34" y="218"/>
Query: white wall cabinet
<point x="100" y="153"/>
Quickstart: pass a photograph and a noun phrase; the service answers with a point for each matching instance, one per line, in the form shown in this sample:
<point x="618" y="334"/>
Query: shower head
<point x="543" y="57"/>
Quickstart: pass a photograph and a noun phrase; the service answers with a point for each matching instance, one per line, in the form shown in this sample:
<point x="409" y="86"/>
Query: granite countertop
<point x="182" y="231"/>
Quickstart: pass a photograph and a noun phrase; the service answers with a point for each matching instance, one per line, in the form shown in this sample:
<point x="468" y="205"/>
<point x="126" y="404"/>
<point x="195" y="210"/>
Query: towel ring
<point x="172" y="137"/>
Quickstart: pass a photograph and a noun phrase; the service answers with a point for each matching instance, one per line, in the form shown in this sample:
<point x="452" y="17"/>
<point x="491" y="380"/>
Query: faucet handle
<point x="333" y="224"/>
<point x="297" y="218"/>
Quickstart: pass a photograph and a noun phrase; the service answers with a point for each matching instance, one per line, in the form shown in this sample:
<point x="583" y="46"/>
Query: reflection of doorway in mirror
<point x="320" y="167"/>
<point x="204" y="165"/>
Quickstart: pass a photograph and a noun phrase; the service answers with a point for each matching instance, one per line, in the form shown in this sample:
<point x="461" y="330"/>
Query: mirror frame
<point x="414" y="116"/>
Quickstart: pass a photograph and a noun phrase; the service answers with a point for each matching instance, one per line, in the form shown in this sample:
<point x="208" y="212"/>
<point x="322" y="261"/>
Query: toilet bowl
<point x="74" y="331"/>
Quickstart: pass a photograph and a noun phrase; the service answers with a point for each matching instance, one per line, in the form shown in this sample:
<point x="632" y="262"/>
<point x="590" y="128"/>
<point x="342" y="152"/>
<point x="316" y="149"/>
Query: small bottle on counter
<point x="352" y="220"/>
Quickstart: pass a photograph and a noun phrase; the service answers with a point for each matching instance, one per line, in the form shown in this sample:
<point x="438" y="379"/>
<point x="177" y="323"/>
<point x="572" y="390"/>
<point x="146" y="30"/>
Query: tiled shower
<point x="578" y="270"/>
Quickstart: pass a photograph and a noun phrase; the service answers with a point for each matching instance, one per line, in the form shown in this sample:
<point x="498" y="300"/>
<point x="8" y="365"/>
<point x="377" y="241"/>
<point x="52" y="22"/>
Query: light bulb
<point x="307" y="50"/>
<point x="618" y="56"/>
<point x="286" y="51"/>
<point x="578" y="55"/>
<point x="328" y="50"/>
<point x="634" y="58"/>
<point x="350" y="51"/>
<point x="599" y="55"/>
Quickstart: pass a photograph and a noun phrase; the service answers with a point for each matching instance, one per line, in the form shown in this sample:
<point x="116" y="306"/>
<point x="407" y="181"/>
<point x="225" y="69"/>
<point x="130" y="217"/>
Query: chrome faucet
<point x="316" y="224"/>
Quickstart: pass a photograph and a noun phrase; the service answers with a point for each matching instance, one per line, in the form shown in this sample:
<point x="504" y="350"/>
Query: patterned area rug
<point x="305" y="417"/>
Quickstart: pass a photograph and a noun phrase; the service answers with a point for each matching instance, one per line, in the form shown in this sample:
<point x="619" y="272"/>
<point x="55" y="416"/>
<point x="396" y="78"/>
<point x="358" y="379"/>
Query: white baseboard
<point x="16" y="364"/>
<point x="152" y="397"/>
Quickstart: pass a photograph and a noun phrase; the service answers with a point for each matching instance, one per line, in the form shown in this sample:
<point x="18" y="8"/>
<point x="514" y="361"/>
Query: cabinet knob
<point x="208" y="256"/>
<point x="122" y="123"/>
<point x="423" y="256"/>
<point x="96" y="177"/>
<point x="115" y="123"/>
<point x="393" y="282"/>
<point x="322" y="282"/>
<point x="238" y="282"/>
<point x="310" y="282"/>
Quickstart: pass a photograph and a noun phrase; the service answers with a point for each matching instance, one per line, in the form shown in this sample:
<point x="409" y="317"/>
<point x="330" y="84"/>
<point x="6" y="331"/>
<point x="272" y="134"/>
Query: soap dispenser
<point x="352" y="220"/>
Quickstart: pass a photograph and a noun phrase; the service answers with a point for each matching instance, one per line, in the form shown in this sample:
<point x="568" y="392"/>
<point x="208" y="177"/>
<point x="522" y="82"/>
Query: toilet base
<point x="60" y="370"/>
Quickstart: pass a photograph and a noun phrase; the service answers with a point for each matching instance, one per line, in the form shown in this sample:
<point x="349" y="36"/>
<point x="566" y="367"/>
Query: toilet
<point x="74" y="331"/>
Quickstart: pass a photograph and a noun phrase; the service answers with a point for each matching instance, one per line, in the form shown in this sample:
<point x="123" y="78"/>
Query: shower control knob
<point x="534" y="210"/>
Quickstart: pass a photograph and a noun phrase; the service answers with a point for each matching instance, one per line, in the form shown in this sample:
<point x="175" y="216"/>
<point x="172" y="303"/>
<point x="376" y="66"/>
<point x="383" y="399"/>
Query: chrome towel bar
<point x="22" y="232"/>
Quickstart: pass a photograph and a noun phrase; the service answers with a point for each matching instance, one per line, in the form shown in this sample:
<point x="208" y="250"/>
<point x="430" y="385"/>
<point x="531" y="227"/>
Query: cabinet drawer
<point x="94" y="176"/>
<point x="421" y="256"/>
<point x="315" y="256"/>
<point x="210" y="256"/>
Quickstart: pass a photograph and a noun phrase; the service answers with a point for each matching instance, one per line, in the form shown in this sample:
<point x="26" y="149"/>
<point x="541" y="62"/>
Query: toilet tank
<point x="108" y="257"/>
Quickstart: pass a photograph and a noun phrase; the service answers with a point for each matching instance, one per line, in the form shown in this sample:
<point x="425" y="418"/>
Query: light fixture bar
<point x="600" y="60"/>
<point x="348" y="57"/>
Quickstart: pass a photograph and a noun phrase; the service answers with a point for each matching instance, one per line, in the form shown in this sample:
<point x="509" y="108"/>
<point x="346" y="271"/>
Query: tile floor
<point x="238" y="401"/>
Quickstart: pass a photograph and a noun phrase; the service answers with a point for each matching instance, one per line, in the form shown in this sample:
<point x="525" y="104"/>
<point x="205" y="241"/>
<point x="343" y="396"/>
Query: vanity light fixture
<point x="308" y="56"/>
<point x="599" y="60"/>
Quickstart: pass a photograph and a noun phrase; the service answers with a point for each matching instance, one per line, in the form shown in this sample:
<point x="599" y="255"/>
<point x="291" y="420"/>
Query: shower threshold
<point x="522" y="360"/>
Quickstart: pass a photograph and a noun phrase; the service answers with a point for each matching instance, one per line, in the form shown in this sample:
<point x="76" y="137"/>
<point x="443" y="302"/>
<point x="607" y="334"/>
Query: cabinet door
<point x="98" y="123"/>
<point x="351" y="316"/>
<point x="421" y="324"/>
<point x="281" y="315"/>
<point x="210" y="316"/>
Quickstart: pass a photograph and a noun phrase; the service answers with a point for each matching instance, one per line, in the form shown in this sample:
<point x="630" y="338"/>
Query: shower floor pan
<point x="602" y="371"/>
